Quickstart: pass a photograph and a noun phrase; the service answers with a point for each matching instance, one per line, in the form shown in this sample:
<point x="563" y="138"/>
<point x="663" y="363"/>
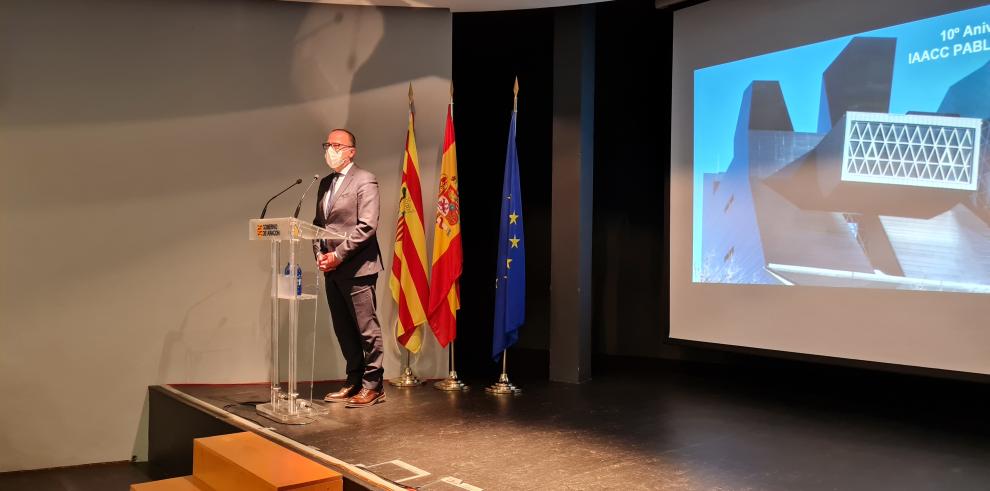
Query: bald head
<point x="350" y="136"/>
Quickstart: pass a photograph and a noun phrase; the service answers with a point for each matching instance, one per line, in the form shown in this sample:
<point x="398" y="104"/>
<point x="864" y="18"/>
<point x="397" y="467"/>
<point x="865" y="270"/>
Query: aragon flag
<point x="445" y="296"/>
<point x="408" y="276"/>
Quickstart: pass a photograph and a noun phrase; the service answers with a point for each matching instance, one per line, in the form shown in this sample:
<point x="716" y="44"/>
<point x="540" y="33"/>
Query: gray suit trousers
<point x="352" y="308"/>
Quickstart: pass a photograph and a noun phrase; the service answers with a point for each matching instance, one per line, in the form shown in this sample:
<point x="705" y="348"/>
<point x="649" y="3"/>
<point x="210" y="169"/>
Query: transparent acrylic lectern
<point x="287" y="403"/>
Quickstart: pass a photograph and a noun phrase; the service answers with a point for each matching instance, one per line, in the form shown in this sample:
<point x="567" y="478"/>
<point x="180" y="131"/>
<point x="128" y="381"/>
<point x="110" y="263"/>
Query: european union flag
<point x="510" y="282"/>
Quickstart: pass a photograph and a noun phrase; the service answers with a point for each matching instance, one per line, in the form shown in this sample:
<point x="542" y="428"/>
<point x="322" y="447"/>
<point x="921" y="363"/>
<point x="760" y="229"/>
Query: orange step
<point x="248" y="462"/>
<point x="187" y="483"/>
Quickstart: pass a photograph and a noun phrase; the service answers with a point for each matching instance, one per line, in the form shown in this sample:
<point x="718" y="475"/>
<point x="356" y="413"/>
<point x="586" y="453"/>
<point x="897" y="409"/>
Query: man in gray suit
<point x="347" y="202"/>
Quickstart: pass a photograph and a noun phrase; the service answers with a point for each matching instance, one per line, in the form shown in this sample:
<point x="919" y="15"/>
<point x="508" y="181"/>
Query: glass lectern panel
<point x="294" y="293"/>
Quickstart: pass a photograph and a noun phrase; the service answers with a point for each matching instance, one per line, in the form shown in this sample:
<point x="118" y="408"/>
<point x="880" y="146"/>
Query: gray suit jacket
<point x="354" y="210"/>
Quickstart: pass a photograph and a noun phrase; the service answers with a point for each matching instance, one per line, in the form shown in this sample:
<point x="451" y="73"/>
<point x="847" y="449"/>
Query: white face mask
<point x="335" y="158"/>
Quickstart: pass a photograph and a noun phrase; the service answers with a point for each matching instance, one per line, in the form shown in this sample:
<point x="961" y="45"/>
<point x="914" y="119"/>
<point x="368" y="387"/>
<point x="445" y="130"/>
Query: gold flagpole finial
<point x="515" y="94"/>
<point x="412" y="106"/>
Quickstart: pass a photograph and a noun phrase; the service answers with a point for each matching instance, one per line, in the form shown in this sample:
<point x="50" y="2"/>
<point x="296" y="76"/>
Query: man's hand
<point x="327" y="262"/>
<point x="334" y="260"/>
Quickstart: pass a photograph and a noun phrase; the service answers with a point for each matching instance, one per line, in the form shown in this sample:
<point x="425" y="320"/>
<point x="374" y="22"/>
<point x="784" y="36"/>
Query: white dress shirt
<point x="337" y="181"/>
<point x="336" y="186"/>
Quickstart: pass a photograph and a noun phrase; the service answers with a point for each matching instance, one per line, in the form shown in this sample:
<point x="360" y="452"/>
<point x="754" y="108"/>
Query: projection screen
<point x="830" y="179"/>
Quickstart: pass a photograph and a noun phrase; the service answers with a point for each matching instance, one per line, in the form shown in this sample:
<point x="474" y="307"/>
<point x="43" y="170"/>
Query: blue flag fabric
<point x="510" y="281"/>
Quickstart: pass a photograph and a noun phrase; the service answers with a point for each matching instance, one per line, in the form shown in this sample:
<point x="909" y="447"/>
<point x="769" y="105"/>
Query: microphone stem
<point x="265" y="209"/>
<point x="299" y="206"/>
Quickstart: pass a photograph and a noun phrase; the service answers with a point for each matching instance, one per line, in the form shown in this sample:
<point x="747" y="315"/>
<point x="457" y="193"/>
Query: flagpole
<point x="452" y="382"/>
<point x="406" y="378"/>
<point x="515" y="95"/>
<point x="503" y="386"/>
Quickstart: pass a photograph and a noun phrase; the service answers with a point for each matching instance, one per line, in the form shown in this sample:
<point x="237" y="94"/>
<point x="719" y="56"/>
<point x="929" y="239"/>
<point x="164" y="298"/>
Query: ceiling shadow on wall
<point x="124" y="100"/>
<point x="114" y="60"/>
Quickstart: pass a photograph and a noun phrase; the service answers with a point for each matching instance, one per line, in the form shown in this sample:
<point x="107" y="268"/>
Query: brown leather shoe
<point x="365" y="398"/>
<point x="342" y="395"/>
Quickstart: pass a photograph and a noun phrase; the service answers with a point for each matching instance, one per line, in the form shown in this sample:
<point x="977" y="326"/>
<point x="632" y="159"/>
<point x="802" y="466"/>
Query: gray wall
<point x="137" y="138"/>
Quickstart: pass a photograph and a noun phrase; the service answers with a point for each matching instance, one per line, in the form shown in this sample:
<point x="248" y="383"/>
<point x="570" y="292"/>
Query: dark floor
<point x="98" y="477"/>
<point x="664" y="427"/>
<point x="676" y="428"/>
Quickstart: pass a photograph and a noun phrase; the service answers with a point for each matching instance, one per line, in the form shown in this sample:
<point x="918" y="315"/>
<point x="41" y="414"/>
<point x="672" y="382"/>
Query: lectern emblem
<point x="268" y="230"/>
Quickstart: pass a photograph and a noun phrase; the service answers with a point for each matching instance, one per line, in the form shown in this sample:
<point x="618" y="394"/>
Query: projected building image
<point x="870" y="198"/>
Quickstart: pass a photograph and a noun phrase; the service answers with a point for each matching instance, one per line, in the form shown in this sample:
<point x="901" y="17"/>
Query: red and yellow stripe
<point x="448" y="258"/>
<point x="407" y="280"/>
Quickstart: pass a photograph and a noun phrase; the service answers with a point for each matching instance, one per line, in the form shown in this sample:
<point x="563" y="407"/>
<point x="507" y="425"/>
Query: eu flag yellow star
<point x="515" y="242"/>
<point x="508" y="263"/>
<point x="513" y="217"/>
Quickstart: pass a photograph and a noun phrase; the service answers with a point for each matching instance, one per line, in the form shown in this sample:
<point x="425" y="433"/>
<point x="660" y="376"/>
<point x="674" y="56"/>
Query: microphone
<point x="316" y="177"/>
<point x="265" y="209"/>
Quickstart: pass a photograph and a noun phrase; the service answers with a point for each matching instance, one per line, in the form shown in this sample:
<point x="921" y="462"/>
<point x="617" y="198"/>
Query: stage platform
<point x="671" y="427"/>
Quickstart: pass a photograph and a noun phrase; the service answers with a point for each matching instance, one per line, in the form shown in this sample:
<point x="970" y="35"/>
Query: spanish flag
<point x="445" y="297"/>
<point x="408" y="277"/>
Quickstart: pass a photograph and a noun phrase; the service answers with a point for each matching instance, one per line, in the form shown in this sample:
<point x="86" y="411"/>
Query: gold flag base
<point x="451" y="383"/>
<point x="503" y="386"/>
<point x="407" y="379"/>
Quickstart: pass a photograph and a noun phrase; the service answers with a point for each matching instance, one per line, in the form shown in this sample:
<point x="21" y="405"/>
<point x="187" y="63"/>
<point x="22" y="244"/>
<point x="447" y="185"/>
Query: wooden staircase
<point x="247" y="462"/>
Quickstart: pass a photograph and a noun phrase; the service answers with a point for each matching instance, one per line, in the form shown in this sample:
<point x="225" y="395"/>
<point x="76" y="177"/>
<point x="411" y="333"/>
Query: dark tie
<point x="329" y="198"/>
